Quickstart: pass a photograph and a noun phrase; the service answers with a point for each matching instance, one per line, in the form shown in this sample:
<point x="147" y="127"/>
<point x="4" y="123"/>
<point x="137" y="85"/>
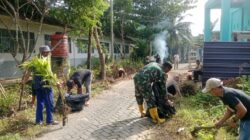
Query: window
<point x="105" y="46"/>
<point x="126" y="49"/>
<point x="69" y="42"/>
<point x="7" y="44"/>
<point x="117" y="48"/>
<point x="5" y="41"/>
<point x="47" y="40"/>
<point x="82" y="46"/>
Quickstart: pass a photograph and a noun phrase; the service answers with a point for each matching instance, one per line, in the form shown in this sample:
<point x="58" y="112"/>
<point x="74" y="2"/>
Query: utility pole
<point x="112" y="30"/>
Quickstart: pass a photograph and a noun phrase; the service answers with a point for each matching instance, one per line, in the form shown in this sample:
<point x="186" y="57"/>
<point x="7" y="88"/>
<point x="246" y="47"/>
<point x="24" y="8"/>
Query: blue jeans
<point x="44" y="98"/>
<point x="244" y="130"/>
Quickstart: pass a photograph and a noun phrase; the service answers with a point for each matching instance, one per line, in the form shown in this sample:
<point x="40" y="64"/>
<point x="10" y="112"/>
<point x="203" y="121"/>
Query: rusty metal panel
<point x="225" y="59"/>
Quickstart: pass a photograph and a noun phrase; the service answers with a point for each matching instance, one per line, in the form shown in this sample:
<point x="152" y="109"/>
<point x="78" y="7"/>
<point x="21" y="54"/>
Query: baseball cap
<point x="44" y="48"/>
<point x="212" y="83"/>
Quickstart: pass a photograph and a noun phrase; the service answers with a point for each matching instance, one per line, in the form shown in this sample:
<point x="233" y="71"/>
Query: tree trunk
<point x="122" y="37"/>
<point x="22" y="90"/>
<point x="65" y="28"/>
<point x="89" y="48"/>
<point x="150" y="48"/>
<point x="101" y="54"/>
<point x="112" y="30"/>
<point x="148" y="43"/>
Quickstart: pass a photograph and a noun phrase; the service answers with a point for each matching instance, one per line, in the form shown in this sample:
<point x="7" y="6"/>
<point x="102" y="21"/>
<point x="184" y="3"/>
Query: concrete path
<point x="111" y="115"/>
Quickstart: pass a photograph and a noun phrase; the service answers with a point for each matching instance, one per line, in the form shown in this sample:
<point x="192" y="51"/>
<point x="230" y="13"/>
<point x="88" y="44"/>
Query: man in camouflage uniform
<point x="144" y="79"/>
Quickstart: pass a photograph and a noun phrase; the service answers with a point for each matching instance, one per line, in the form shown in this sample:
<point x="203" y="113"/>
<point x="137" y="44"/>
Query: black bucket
<point x="76" y="101"/>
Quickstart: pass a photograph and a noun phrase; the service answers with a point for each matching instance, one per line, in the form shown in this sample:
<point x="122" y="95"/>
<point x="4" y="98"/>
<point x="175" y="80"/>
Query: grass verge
<point x="198" y="110"/>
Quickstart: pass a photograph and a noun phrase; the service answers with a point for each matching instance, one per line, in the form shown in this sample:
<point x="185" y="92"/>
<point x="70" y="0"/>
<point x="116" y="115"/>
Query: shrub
<point x="6" y="104"/>
<point x="188" y="88"/>
<point x="128" y="65"/>
<point x="244" y="84"/>
<point x="205" y="99"/>
<point x="9" y="103"/>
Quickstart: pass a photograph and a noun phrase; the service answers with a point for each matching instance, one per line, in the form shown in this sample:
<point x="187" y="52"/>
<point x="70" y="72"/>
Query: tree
<point x="178" y="32"/>
<point x="23" y="40"/>
<point x="121" y="10"/>
<point x="82" y="16"/>
<point x="89" y="48"/>
<point x="170" y="19"/>
<point x="151" y="17"/>
<point x="127" y="22"/>
<point x="101" y="54"/>
<point x="27" y="11"/>
<point x="198" y="40"/>
<point x="122" y="23"/>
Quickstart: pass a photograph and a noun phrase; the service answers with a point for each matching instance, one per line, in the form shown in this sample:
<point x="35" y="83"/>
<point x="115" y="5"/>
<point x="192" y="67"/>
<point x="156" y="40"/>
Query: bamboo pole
<point x="2" y="90"/>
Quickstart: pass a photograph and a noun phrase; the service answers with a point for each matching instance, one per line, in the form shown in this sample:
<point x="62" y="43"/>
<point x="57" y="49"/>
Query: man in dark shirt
<point x="238" y="103"/>
<point x="79" y="78"/>
<point x="197" y="71"/>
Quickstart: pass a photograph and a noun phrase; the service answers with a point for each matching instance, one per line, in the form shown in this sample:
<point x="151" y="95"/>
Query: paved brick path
<point x="111" y="115"/>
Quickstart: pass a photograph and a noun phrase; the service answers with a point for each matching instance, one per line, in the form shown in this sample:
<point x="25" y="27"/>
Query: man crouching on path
<point x="143" y="80"/>
<point x="238" y="103"/>
<point x="79" y="78"/>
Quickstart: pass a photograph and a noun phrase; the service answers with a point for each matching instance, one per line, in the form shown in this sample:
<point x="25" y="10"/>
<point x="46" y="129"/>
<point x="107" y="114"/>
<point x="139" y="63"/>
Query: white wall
<point x="8" y="66"/>
<point x="46" y="29"/>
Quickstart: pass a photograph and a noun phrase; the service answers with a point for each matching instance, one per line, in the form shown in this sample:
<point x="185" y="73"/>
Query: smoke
<point x="164" y="24"/>
<point x="160" y="45"/>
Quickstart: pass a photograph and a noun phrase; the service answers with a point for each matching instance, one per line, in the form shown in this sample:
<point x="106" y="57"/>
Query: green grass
<point x="203" y="110"/>
<point x="10" y="137"/>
